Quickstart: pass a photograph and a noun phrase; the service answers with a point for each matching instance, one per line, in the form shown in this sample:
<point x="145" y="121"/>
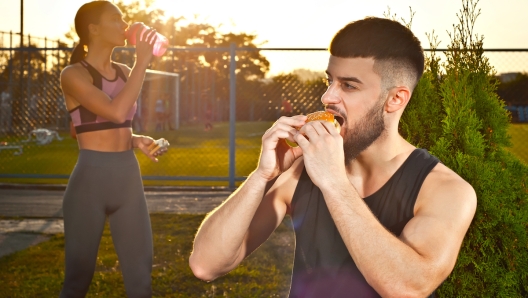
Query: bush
<point x="457" y="115"/>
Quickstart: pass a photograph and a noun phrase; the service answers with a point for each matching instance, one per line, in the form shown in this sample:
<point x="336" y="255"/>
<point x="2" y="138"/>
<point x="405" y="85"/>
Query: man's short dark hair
<point x="397" y="53"/>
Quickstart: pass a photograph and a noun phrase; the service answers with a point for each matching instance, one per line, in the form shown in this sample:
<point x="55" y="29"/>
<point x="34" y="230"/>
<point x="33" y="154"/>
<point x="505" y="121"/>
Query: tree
<point x="456" y="114"/>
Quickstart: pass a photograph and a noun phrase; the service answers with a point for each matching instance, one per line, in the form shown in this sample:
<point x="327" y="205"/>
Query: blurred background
<point x="231" y="70"/>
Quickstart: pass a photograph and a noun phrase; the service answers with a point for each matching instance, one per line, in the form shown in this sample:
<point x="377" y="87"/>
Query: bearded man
<point x="373" y="215"/>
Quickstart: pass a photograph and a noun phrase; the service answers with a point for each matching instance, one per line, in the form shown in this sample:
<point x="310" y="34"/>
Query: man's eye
<point x="349" y="87"/>
<point x="327" y="82"/>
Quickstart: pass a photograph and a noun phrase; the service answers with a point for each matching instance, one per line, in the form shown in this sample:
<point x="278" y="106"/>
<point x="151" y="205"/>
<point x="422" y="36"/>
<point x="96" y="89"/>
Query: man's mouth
<point x="339" y="119"/>
<point x="337" y="116"/>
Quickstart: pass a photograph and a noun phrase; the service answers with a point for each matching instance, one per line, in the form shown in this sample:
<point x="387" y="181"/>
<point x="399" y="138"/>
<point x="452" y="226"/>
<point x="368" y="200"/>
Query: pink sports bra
<point x="84" y="120"/>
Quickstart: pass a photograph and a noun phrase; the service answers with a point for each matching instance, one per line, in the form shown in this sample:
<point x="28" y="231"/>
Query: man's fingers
<point x="274" y="137"/>
<point x="310" y="131"/>
<point x="295" y="121"/>
<point x="301" y="140"/>
<point x="331" y="128"/>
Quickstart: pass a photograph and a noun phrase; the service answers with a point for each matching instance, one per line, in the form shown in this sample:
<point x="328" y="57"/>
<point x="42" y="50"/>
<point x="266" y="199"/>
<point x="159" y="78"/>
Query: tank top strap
<point x="393" y="203"/>
<point x="119" y="71"/>
<point x="96" y="76"/>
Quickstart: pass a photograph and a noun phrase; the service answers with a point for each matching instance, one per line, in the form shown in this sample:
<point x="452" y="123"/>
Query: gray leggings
<point x="106" y="184"/>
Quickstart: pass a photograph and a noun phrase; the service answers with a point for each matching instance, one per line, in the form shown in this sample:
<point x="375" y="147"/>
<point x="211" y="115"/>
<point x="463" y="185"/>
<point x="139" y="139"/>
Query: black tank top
<point x="322" y="265"/>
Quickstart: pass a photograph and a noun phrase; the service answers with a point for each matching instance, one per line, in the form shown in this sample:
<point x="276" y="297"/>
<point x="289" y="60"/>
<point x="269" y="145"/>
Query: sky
<point x="296" y="23"/>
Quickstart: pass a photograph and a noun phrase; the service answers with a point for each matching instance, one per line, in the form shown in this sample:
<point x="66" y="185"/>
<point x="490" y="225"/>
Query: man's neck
<point x="373" y="167"/>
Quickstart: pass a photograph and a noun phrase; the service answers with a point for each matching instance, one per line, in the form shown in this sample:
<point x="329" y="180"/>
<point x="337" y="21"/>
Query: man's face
<point x="354" y="96"/>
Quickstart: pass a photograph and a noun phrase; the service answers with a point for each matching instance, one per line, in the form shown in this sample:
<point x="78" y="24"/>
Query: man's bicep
<point x="438" y="228"/>
<point x="273" y="208"/>
<point x="267" y="218"/>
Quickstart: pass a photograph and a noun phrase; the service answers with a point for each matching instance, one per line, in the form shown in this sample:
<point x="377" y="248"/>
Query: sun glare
<point x="208" y="10"/>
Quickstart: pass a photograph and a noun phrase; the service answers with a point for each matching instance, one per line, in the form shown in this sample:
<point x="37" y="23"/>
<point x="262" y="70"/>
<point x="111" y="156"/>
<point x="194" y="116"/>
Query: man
<point x="373" y="215"/>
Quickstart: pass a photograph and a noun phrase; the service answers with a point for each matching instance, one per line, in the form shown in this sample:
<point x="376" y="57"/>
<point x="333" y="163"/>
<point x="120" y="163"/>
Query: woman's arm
<point x="76" y="84"/>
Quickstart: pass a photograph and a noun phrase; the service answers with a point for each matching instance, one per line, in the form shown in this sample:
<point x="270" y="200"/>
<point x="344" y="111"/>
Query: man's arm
<point x="416" y="262"/>
<point x="249" y="216"/>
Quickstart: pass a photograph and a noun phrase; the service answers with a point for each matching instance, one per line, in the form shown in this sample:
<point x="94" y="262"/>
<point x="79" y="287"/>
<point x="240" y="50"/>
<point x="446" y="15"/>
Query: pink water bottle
<point x="160" y="45"/>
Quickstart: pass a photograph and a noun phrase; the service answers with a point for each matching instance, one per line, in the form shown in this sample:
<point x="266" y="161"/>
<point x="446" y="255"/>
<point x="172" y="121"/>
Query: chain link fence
<point x="214" y="124"/>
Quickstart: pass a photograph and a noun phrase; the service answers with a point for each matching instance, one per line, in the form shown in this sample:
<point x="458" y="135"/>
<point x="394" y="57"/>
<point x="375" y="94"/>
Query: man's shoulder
<point x="445" y="176"/>
<point x="445" y="186"/>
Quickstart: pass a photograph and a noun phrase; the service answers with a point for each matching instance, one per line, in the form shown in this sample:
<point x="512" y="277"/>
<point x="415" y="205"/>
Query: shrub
<point x="456" y="114"/>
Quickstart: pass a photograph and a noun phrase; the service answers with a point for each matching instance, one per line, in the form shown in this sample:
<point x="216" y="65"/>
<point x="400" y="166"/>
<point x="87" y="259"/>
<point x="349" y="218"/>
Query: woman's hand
<point x="143" y="142"/>
<point x="145" y="45"/>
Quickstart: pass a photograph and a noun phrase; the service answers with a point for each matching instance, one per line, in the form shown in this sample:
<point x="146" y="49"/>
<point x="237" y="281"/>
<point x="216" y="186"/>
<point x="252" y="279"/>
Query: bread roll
<point x="318" y="116"/>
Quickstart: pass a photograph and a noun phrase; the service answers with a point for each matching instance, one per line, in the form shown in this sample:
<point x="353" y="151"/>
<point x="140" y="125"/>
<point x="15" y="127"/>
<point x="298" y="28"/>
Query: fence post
<point x="232" y="115"/>
<point x="177" y="109"/>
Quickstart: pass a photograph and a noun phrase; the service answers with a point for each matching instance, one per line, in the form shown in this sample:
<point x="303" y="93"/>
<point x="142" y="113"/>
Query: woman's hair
<point x="89" y="13"/>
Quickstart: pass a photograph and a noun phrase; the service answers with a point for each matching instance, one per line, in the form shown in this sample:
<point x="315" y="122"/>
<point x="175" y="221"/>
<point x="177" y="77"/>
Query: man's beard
<point x="365" y="132"/>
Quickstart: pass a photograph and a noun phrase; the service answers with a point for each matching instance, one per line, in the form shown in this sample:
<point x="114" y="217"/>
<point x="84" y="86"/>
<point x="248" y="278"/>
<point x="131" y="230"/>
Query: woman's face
<point x="111" y="27"/>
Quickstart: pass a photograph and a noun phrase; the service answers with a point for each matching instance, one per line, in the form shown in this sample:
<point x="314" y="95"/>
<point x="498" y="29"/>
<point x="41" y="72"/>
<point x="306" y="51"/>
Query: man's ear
<point x="398" y="99"/>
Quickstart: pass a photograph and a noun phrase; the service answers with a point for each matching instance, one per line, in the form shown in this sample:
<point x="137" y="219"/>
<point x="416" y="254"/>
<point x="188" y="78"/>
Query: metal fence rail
<point x="211" y="107"/>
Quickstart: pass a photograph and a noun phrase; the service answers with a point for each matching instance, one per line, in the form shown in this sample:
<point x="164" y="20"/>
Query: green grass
<point x="39" y="270"/>
<point x="519" y="134"/>
<point x="193" y="152"/>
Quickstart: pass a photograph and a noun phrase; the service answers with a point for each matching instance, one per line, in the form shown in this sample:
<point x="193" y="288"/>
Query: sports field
<point x="519" y="139"/>
<point x="194" y="152"/>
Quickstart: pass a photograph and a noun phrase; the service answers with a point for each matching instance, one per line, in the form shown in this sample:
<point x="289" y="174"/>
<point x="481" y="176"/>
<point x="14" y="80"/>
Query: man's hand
<point x="322" y="148"/>
<point x="143" y="142"/>
<point x="276" y="156"/>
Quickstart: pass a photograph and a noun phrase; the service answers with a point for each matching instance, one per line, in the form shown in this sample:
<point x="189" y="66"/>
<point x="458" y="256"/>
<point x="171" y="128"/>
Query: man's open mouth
<point x="339" y="119"/>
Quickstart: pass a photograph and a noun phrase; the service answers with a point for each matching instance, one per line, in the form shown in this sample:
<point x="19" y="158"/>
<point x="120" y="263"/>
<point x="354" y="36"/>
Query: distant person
<point x="208" y="118"/>
<point x="373" y="215"/>
<point x="161" y="113"/>
<point x="61" y="113"/>
<point x="106" y="181"/>
<point x="287" y="109"/>
<point x="168" y="115"/>
<point x="521" y="111"/>
<point x="6" y="113"/>
<point x="33" y="111"/>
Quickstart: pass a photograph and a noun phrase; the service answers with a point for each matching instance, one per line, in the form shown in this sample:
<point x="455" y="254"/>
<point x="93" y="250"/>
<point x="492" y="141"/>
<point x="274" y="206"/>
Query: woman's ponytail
<point x="78" y="53"/>
<point x="88" y="13"/>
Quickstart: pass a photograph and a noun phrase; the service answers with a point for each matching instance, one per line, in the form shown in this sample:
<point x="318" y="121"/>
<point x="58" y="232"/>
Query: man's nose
<point x="331" y="96"/>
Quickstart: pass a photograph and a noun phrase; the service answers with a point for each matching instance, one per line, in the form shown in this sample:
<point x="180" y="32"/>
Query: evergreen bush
<point x="456" y="114"/>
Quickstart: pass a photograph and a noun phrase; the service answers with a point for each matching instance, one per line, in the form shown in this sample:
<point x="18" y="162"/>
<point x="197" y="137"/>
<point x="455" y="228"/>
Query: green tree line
<point x="456" y="114"/>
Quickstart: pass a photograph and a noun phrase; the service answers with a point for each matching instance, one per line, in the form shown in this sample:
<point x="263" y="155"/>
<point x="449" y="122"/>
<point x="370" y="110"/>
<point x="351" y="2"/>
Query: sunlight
<point x="214" y="12"/>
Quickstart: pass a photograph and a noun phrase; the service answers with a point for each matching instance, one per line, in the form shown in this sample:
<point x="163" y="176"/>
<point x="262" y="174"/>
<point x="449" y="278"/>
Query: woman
<point x="106" y="181"/>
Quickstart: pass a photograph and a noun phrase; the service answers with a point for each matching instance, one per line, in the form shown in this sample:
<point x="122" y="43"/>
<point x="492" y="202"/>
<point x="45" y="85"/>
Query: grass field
<point x="193" y="152"/>
<point x="39" y="270"/>
<point x="519" y="139"/>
